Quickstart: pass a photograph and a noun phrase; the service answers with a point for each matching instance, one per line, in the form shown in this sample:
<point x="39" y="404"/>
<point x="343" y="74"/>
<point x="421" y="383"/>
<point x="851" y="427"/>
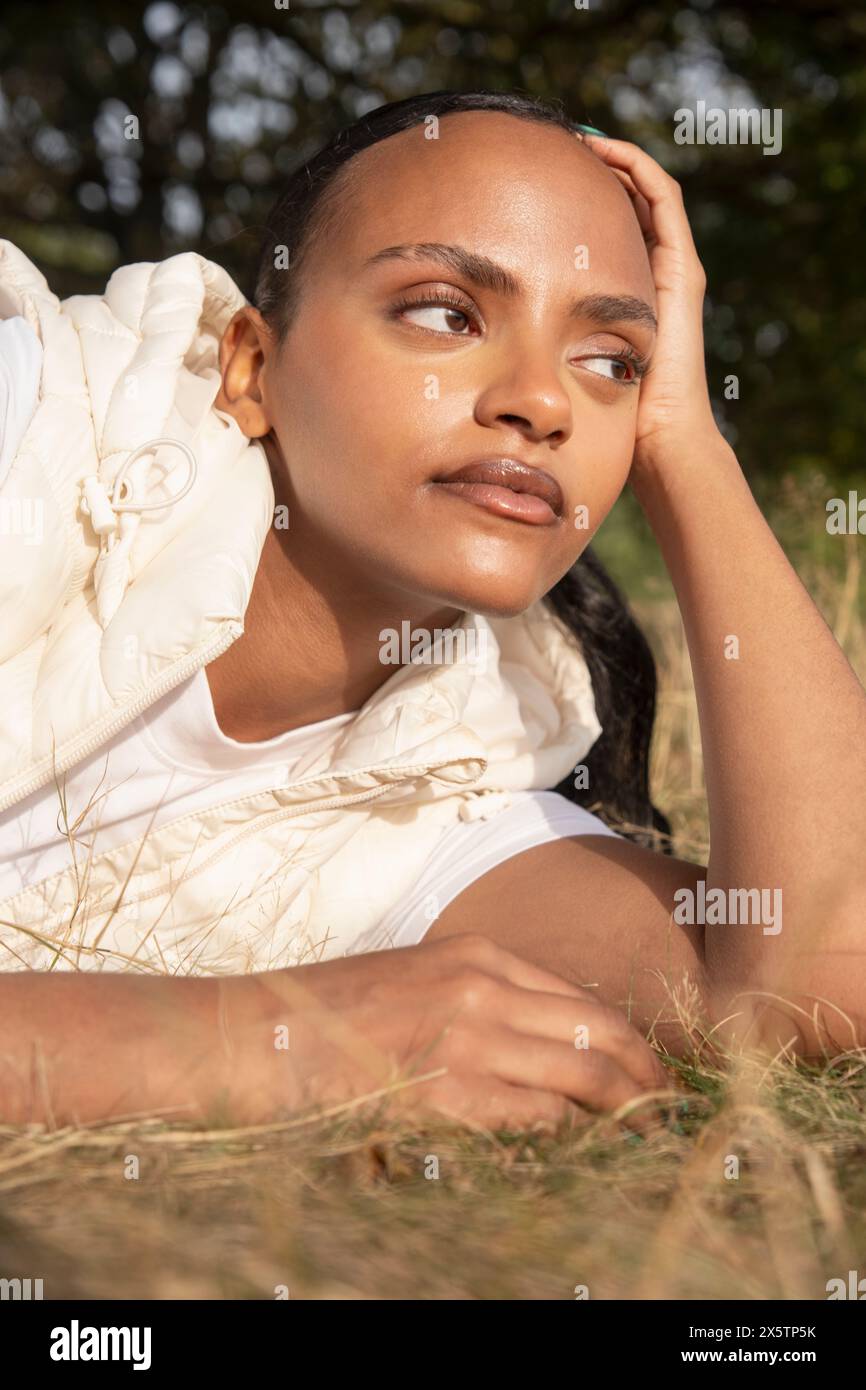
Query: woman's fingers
<point x="483" y="953"/>
<point x="475" y="1018"/>
<point x="583" y="1026"/>
<point x="588" y="1076"/>
<point x="662" y="193"/>
<point x="643" y="211"/>
<point x="531" y="1004"/>
<point x="489" y="1103"/>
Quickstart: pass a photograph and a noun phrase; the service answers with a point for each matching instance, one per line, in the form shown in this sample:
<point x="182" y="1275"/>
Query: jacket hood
<point x="112" y="606"/>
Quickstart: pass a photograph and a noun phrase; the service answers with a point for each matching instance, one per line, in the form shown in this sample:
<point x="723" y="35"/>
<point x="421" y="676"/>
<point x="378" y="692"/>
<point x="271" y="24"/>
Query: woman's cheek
<point x="604" y="479"/>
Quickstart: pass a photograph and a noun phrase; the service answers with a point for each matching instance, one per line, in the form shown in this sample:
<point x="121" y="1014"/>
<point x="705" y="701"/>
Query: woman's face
<point x="467" y="348"/>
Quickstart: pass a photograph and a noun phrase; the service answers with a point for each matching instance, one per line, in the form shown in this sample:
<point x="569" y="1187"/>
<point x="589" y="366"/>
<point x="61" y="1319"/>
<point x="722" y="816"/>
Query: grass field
<point x="755" y="1189"/>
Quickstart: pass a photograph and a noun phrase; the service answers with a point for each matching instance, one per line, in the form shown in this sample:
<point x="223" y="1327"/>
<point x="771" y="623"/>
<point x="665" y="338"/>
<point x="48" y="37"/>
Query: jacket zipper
<point x="79" y="748"/>
<point x="273" y="819"/>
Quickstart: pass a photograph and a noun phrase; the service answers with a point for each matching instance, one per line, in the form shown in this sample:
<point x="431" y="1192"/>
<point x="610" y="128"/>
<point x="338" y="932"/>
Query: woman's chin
<point x="493" y="597"/>
<point x="496" y="581"/>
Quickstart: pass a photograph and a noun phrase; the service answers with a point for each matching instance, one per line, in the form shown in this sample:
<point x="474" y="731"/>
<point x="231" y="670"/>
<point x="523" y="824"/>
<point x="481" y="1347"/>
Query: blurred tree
<point x="131" y="132"/>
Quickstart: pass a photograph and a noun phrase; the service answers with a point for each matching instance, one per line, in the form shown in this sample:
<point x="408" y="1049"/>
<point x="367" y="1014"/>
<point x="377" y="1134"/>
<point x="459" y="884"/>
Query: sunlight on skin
<point x="355" y="441"/>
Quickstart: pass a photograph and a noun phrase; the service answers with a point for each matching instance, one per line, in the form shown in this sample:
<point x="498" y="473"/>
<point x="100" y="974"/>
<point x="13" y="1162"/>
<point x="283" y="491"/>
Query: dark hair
<point x="586" y="599"/>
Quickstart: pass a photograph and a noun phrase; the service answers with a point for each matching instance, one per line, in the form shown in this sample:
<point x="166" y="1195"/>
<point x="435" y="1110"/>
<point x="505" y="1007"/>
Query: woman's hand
<point x="675" y="418"/>
<point x="499" y="1034"/>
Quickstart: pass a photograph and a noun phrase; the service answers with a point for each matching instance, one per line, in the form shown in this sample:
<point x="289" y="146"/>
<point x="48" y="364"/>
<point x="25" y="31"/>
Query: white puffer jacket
<point x="87" y="642"/>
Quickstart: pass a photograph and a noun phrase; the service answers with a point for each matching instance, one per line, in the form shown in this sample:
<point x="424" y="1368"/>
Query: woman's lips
<point x="508" y="488"/>
<point x="493" y="497"/>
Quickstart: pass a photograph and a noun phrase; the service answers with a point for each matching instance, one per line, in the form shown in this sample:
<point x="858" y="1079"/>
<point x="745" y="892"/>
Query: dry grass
<point x="346" y="1209"/>
<point x="756" y="1189"/>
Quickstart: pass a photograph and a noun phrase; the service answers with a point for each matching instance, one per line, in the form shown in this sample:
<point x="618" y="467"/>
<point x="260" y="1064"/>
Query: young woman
<point x="472" y="323"/>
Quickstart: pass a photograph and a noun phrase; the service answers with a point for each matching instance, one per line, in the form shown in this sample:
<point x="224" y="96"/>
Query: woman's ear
<point x="246" y="345"/>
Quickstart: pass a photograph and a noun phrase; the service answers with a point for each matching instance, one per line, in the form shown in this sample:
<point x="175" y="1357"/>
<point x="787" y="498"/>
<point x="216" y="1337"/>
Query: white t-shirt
<point x="174" y="759"/>
<point x="171" y="760"/>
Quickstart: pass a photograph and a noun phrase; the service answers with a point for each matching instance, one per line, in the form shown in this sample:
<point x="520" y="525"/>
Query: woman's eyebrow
<point x="486" y="274"/>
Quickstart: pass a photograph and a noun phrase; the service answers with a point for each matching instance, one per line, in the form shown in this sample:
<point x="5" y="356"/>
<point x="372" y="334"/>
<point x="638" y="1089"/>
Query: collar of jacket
<point x="511" y="707"/>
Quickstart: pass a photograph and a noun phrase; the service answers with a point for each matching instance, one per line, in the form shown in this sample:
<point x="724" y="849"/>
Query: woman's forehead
<point x="475" y="155"/>
<point x="513" y="189"/>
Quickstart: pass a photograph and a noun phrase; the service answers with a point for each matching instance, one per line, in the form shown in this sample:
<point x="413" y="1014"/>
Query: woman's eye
<point x="441" y="318"/>
<point x="611" y="365"/>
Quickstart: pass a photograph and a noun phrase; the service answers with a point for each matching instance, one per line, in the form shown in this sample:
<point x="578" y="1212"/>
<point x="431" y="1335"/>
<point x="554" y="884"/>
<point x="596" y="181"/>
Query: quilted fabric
<point x="89" y="640"/>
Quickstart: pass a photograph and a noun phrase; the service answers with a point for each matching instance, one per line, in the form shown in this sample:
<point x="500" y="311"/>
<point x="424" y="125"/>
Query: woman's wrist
<point x="111" y="1045"/>
<point x="659" y="468"/>
<point x="695" y="485"/>
<point x="255" y="1078"/>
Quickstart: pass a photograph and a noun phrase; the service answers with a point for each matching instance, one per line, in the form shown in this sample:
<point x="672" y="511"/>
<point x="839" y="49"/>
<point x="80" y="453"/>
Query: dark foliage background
<point x="229" y="97"/>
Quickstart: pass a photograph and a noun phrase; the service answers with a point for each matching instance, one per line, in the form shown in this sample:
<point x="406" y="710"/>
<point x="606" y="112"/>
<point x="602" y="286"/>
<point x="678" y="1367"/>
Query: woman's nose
<point x="530" y="398"/>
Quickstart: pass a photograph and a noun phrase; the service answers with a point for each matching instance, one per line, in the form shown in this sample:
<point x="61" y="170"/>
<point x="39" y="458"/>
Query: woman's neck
<point x="310" y="648"/>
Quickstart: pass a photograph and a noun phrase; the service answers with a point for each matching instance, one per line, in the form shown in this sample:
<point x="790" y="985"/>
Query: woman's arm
<point x="82" y="1047"/>
<point x="597" y="911"/>
<point x="783" y="725"/>
<point x="493" y="1035"/>
<point x="783" y="716"/>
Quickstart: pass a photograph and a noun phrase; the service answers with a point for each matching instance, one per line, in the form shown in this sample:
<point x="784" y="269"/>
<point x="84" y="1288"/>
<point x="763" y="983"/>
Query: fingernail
<point x="592" y="130"/>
